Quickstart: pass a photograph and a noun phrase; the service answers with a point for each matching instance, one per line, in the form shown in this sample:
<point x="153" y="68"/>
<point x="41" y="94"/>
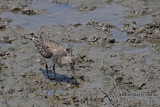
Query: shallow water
<point x="66" y="14"/>
<point x="143" y="20"/>
<point x="1" y="45"/>
<point x="118" y="35"/>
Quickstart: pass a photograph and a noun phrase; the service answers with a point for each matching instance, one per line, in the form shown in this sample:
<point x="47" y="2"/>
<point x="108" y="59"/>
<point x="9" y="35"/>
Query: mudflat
<point x="116" y="45"/>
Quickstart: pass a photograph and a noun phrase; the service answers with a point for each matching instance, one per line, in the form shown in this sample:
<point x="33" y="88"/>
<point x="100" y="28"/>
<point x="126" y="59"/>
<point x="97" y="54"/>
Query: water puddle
<point x="130" y="51"/>
<point x="65" y="14"/>
<point x="143" y="20"/>
<point x="119" y="36"/>
<point x="2" y="45"/>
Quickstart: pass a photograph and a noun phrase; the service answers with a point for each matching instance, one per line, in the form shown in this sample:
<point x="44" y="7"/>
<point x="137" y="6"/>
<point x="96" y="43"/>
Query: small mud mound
<point x="148" y="31"/>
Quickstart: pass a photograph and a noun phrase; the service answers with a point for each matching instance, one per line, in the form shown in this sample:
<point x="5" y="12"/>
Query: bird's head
<point x="34" y="36"/>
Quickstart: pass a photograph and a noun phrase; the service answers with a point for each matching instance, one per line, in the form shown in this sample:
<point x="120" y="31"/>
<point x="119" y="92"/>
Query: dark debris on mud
<point x="147" y="31"/>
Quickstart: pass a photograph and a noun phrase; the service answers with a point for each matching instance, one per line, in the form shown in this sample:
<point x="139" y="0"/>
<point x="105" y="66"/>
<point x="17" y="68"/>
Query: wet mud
<point x="117" y="64"/>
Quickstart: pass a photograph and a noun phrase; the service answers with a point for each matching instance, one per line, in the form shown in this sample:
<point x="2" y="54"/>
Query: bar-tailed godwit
<point x="52" y="50"/>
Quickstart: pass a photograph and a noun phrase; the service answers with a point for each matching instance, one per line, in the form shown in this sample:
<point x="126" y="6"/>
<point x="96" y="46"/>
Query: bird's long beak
<point x="74" y="76"/>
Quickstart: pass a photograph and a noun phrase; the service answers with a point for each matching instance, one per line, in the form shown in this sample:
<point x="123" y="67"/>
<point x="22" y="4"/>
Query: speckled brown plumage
<point x="50" y="49"/>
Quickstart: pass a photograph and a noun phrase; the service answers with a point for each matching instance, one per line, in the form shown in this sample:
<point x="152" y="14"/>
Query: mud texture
<point x="13" y="5"/>
<point x="110" y="72"/>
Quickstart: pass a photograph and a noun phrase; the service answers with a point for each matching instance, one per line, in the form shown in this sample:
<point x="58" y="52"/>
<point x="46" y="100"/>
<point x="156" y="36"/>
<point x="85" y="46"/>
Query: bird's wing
<point x="43" y="48"/>
<point x="55" y="48"/>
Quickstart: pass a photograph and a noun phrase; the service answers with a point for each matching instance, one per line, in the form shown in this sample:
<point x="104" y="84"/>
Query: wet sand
<point x="117" y="61"/>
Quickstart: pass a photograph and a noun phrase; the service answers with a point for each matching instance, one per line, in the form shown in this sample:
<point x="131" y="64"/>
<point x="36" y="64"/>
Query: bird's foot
<point x="71" y="78"/>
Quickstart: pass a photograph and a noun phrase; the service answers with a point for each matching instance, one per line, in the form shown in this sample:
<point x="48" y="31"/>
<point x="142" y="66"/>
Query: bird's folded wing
<point x="45" y="52"/>
<point x="55" y="48"/>
<point x="43" y="48"/>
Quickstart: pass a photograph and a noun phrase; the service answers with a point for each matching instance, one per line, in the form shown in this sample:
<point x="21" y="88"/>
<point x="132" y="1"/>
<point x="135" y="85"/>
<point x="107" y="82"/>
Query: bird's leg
<point x="54" y="71"/>
<point x="55" y="75"/>
<point x="47" y="70"/>
<point x="72" y="77"/>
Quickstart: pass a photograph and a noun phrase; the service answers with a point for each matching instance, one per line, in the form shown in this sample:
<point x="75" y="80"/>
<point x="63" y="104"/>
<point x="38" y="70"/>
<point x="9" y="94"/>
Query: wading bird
<point x="53" y="51"/>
